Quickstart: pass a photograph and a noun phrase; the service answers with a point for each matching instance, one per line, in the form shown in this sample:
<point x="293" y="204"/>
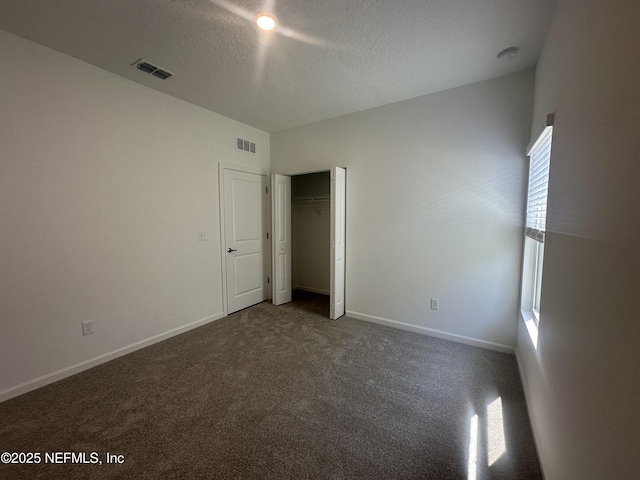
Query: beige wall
<point x="581" y="382"/>
<point x="104" y="185"/>
<point x="435" y="205"/>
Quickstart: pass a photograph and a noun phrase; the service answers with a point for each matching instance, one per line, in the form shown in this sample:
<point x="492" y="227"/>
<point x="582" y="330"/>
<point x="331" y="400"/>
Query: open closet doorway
<point x="309" y="230"/>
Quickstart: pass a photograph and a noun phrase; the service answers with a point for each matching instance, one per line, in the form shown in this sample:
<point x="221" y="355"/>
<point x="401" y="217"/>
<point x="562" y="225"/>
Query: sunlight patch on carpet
<point x="495" y="432"/>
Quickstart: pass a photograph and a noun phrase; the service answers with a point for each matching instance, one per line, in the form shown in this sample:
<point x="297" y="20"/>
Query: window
<point x="536" y="219"/>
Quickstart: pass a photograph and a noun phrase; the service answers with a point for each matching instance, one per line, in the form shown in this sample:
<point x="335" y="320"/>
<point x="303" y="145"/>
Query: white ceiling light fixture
<point x="266" y="21"/>
<point x="508" y="53"/>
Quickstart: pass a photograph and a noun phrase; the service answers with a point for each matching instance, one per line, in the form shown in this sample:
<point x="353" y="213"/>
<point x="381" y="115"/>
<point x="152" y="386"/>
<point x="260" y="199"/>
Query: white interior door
<point x="244" y="232"/>
<point x="281" y="242"/>
<point x="338" y="236"/>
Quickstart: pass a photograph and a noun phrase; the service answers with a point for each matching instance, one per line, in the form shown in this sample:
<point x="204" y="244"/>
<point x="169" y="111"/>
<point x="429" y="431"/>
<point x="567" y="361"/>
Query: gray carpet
<point x="281" y="393"/>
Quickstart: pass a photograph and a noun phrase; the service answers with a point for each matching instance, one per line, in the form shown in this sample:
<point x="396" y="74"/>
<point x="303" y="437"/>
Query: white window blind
<point x="540" y="154"/>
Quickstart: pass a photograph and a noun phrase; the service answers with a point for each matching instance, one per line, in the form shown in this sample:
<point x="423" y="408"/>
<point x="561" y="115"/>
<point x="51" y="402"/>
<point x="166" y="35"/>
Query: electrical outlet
<point x="87" y="327"/>
<point x="203" y="235"/>
<point x="435" y="304"/>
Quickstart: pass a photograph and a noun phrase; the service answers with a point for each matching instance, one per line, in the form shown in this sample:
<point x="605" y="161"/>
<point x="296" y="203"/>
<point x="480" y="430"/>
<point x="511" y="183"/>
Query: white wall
<point x="435" y="204"/>
<point x="104" y="184"/>
<point x="581" y="382"/>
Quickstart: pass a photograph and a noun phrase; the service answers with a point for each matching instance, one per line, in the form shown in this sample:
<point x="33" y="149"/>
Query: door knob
<point x="229" y="250"/>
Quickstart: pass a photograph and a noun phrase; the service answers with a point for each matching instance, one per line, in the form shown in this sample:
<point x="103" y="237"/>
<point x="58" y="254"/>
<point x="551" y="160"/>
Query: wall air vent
<point x="154" y="70"/>
<point x="245" y="145"/>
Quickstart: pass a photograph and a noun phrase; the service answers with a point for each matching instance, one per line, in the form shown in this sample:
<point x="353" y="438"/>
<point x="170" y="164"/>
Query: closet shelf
<point x="312" y="199"/>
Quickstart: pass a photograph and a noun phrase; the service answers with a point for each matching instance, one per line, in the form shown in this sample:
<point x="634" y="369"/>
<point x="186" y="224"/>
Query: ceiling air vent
<point x="154" y="70"/>
<point x="245" y="145"/>
<point x="162" y="74"/>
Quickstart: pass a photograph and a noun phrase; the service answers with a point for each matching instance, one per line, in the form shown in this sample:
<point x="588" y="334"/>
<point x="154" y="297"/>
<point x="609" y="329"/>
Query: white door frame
<point x="266" y="220"/>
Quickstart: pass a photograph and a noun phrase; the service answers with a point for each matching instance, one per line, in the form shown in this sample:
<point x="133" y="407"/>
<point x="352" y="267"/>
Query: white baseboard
<point x="93" y="362"/>
<point x="311" y="289"/>
<point x="454" y="337"/>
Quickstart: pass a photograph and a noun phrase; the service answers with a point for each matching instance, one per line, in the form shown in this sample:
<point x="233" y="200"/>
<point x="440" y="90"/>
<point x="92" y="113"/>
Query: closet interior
<point x="311" y="232"/>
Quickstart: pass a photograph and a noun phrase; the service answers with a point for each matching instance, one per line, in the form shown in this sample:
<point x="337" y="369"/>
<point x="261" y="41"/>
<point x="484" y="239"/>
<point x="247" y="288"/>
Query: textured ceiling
<point x="326" y="58"/>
